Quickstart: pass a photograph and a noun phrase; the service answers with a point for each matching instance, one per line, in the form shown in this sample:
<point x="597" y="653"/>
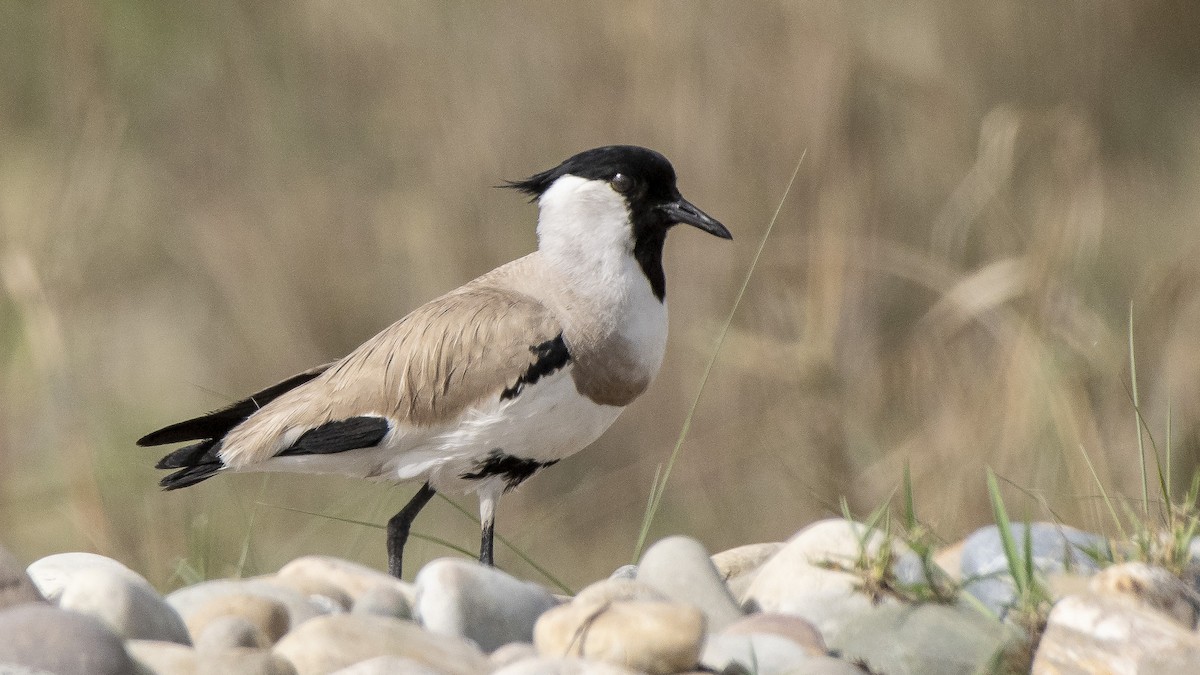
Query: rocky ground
<point x="834" y="599"/>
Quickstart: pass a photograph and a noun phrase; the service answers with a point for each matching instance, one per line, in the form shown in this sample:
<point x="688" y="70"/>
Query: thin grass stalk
<point x="660" y="487"/>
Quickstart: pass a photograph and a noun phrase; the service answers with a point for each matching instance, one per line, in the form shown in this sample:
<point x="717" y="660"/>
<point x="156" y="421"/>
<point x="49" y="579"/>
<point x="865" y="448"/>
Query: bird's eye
<point x="622" y="183"/>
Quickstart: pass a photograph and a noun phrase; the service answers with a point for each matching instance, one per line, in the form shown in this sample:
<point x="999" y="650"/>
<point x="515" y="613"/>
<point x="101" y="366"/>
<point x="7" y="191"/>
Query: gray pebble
<point x="758" y="653"/>
<point x="131" y="608"/>
<point x="684" y="572"/>
<point x="52" y="573"/>
<point x="624" y="572"/>
<point x="383" y="600"/>
<point x="15" y="586"/>
<point x="1055" y="548"/>
<point x="463" y="598"/>
<point x="42" y="637"/>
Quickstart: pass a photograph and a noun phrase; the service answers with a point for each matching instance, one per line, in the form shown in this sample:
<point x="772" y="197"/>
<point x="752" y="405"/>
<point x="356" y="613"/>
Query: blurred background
<point x="198" y="199"/>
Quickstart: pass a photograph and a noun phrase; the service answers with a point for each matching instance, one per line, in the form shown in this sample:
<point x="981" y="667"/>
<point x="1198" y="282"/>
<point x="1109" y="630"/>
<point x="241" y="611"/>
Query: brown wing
<point x="473" y="345"/>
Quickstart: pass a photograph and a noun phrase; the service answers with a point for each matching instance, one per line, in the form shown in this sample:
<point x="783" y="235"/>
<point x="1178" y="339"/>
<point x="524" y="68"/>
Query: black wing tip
<point x="195" y="429"/>
<point x="189" y="476"/>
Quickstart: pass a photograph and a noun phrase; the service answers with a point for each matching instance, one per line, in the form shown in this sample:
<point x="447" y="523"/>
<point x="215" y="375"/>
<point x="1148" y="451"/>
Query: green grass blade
<point x="656" y="502"/>
<point x="1004" y="527"/>
<point x="910" y="509"/>
<point x="1137" y="417"/>
<point x="647" y="514"/>
<point x="1104" y="494"/>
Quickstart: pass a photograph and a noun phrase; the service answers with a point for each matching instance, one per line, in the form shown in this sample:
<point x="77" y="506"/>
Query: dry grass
<point x="197" y="199"/>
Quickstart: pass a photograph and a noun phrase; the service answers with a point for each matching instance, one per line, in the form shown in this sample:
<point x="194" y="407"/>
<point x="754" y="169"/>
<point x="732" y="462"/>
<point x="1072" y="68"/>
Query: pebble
<point x="382" y="600"/>
<point x="15" y="585"/>
<point x="561" y="665"/>
<point x="130" y="607"/>
<point x="52" y="573"/>
<point x="169" y="658"/>
<point x="1153" y="587"/>
<point x="268" y="616"/>
<point x="328" y="598"/>
<point x="353" y="578"/>
<point x="611" y="589"/>
<point x="466" y="599"/>
<point x="42" y="637"/>
<point x="793" y="628"/>
<point x="757" y="653"/>
<point x="737" y="566"/>
<point x="511" y="653"/>
<point x="794" y="582"/>
<point x="230" y="632"/>
<point x="924" y="639"/>
<point x="1056" y="548"/>
<point x="1098" y="633"/>
<point x="653" y="637"/>
<point x="681" y="568"/>
<point x="387" y="665"/>
<point x="624" y="572"/>
<point x="328" y="643"/>
<point x="190" y="599"/>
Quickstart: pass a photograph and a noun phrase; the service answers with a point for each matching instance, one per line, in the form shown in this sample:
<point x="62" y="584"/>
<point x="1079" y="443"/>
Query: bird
<point x="481" y="388"/>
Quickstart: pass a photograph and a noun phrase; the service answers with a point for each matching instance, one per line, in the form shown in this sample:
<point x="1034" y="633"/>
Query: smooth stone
<point x="230" y="632"/>
<point x="1056" y="548"/>
<point x="388" y="665"/>
<point x="1062" y="584"/>
<point x="52" y="573"/>
<point x="795" y="581"/>
<point x="949" y="560"/>
<point x="328" y="598"/>
<point x="40" y="636"/>
<point x="828" y="665"/>
<point x="682" y="569"/>
<point x="654" y="637"/>
<point x="793" y="628"/>
<point x="511" y="653"/>
<point x="561" y="665"/>
<point x="14" y="669"/>
<point x="130" y="608"/>
<point x="609" y="590"/>
<point x="382" y="600"/>
<point x="327" y="643"/>
<point x="169" y="658"/>
<point x="16" y="588"/>
<point x="759" y="653"/>
<point x="268" y="616"/>
<point x="1104" y="634"/>
<point x="351" y="577"/>
<point x="923" y="639"/>
<point x="483" y="604"/>
<point x="1151" y="586"/>
<point x="737" y="566"/>
<point x="624" y="572"/>
<point x="190" y="599"/>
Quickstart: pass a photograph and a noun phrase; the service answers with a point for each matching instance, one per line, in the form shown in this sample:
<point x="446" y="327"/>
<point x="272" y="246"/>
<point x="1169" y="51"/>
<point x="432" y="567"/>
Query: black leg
<point x="485" y="545"/>
<point x="397" y="527"/>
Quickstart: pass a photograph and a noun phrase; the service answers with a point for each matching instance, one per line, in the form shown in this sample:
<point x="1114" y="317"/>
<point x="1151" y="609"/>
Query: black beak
<point x="683" y="211"/>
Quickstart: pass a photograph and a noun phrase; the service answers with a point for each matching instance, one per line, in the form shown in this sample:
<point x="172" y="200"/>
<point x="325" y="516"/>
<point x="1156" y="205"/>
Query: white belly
<point x="548" y="421"/>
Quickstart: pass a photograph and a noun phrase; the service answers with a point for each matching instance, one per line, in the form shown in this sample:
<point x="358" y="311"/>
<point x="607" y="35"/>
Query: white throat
<point x="584" y="231"/>
<point x="585" y="234"/>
